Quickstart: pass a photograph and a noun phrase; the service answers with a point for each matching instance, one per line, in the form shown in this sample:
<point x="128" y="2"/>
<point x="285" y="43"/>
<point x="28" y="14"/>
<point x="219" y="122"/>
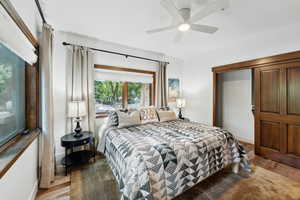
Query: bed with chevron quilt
<point x="160" y="160"/>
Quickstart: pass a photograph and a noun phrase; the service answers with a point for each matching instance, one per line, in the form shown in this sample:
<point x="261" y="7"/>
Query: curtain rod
<point x="40" y="11"/>
<point x="117" y="53"/>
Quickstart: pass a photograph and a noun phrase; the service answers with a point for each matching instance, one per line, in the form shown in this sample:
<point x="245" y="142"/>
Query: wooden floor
<point x="64" y="186"/>
<point x="60" y="190"/>
<point x="282" y="169"/>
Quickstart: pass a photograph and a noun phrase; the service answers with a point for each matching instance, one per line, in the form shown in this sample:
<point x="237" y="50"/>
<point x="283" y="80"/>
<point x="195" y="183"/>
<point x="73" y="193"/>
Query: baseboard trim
<point x="34" y="191"/>
<point x="245" y="140"/>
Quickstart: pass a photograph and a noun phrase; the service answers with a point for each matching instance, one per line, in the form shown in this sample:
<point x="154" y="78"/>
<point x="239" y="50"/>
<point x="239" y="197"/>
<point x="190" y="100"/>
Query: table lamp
<point x="77" y="109"/>
<point x="180" y="104"/>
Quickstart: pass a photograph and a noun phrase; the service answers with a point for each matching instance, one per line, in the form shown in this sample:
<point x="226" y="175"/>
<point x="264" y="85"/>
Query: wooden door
<point x="277" y="113"/>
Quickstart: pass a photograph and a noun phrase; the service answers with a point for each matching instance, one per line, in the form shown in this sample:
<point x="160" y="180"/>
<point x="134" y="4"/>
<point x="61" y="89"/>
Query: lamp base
<point x="77" y="130"/>
<point x="180" y="114"/>
<point x="77" y="135"/>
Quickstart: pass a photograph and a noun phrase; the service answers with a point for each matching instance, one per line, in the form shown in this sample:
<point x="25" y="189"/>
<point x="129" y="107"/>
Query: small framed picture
<point x="173" y="89"/>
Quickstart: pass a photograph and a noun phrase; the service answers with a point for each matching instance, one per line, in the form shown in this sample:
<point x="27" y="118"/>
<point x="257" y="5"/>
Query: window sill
<point x="10" y="153"/>
<point x="101" y="115"/>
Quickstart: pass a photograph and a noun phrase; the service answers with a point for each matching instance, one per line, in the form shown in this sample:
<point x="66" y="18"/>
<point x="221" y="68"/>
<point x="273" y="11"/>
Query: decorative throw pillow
<point x="113" y="119"/>
<point x="166" y="116"/>
<point x="127" y="120"/>
<point x="148" y="114"/>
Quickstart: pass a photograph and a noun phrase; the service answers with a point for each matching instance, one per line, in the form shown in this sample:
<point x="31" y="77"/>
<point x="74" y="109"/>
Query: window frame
<point x="125" y="85"/>
<point x="31" y="104"/>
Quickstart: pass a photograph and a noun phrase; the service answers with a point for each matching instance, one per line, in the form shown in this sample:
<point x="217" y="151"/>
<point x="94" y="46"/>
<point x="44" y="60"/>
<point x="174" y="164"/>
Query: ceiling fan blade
<point x="172" y="10"/>
<point x="208" y="9"/>
<point x="204" y="28"/>
<point x="161" y="29"/>
<point x="200" y="2"/>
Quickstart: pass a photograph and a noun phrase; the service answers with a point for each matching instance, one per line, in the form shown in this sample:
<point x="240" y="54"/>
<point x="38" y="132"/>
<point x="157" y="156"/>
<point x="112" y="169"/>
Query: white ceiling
<point x="125" y="22"/>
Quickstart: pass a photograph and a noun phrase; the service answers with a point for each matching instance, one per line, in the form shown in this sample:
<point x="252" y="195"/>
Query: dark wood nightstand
<point x="81" y="156"/>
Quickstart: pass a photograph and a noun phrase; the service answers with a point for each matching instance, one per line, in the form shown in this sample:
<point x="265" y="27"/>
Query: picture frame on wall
<point x="173" y="89"/>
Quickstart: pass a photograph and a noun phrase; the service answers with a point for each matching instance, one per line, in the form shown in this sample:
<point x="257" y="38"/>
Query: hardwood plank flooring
<point x="60" y="189"/>
<point x="73" y="189"/>
<point x="282" y="169"/>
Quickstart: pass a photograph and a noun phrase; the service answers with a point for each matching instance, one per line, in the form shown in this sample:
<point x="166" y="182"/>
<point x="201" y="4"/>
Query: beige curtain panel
<point x="46" y="140"/>
<point x="162" y="101"/>
<point x="80" y="86"/>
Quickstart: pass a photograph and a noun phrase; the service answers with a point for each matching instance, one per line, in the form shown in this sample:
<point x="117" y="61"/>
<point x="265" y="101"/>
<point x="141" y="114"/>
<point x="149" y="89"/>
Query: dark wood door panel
<point x="277" y="113"/>
<point x="270" y="135"/>
<point x="293" y="90"/>
<point x="288" y="159"/>
<point x="293" y="134"/>
<point x="279" y="118"/>
<point x="270" y="90"/>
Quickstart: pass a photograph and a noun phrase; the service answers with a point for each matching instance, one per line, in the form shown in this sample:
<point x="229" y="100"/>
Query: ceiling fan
<point x="184" y="21"/>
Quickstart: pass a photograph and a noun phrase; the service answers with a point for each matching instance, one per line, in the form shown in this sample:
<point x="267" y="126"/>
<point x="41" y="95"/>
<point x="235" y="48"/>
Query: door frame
<point x="284" y="59"/>
<point x="250" y="64"/>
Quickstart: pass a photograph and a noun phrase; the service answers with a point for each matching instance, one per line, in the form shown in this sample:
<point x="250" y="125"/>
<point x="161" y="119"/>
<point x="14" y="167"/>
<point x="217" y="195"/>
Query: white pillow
<point x="166" y="115"/>
<point x="126" y="120"/>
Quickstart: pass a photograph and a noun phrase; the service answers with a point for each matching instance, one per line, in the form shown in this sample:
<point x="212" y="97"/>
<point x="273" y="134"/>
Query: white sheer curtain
<point x="80" y="85"/>
<point x="46" y="140"/>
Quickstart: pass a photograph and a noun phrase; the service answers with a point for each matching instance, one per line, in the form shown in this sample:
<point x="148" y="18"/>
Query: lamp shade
<point x="180" y="102"/>
<point x="76" y="109"/>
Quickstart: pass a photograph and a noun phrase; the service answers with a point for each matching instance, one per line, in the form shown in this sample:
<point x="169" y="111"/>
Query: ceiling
<point x="125" y="22"/>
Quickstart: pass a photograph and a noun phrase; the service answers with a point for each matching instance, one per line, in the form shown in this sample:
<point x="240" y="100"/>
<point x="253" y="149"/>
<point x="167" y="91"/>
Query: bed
<point x="160" y="160"/>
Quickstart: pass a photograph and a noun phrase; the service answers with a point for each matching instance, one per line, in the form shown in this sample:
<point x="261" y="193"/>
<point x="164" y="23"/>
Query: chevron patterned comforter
<point x="159" y="161"/>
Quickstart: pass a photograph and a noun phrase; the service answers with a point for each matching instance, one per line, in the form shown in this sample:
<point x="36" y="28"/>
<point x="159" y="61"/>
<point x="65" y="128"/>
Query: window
<point x="112" y="95"/>
<point x="12" y="94"/>
<point x="138" y="95"/>
<point x="108" y="95"/>
<point x="116" y="89"/>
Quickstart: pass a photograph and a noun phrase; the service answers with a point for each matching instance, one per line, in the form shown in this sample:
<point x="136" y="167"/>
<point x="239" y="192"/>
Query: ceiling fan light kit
<point x="184" y="27"/>
<point x="184" y="21"/>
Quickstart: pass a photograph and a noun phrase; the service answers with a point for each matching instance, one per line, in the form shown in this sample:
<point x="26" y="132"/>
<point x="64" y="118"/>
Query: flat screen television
<point x="12" y="94"/>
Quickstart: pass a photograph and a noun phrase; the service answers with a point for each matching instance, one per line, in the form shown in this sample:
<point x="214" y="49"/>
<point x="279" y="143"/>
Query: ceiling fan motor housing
<point x="185" y="13"/>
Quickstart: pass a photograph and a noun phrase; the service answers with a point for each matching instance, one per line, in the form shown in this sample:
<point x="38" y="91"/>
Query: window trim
<point x="125" y="86"/>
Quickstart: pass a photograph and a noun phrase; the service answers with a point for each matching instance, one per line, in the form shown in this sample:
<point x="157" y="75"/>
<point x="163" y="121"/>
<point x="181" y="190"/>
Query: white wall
<point x="197" y="74"/>
<point x="236" y="96"/>
<point x="61" y="56"/>
<point x="20" y="182"/>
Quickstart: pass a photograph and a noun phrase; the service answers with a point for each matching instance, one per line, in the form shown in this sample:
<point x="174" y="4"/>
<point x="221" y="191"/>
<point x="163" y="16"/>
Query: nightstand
<point x="82" y="155"/>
